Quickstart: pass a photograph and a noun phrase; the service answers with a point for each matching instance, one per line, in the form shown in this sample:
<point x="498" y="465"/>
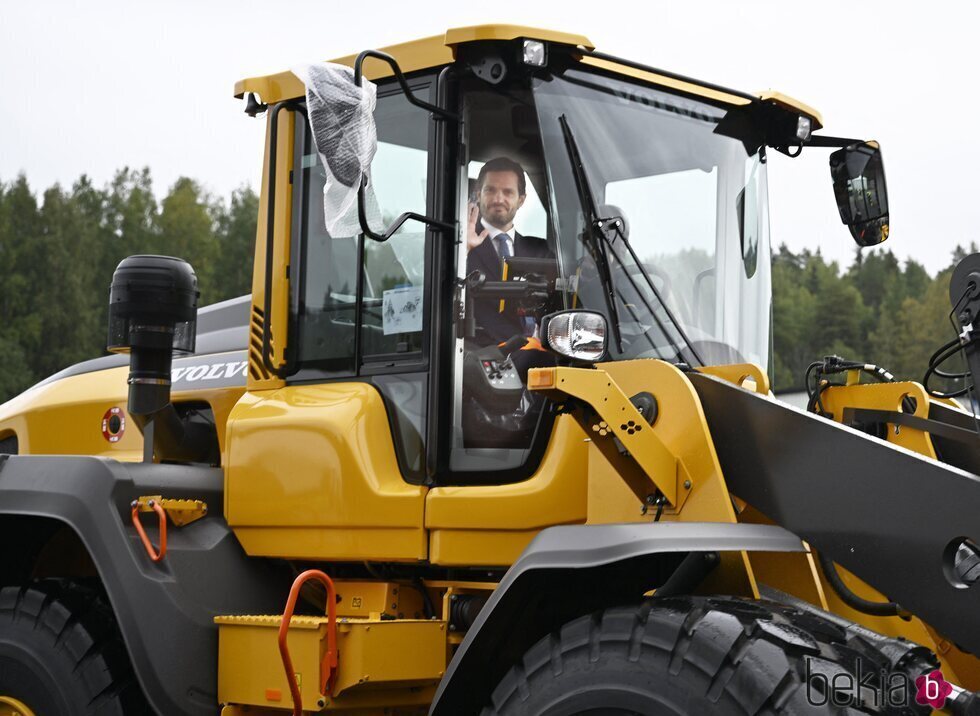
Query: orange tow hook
<point x="154" y="554"/>
<point x="328" y="669"/>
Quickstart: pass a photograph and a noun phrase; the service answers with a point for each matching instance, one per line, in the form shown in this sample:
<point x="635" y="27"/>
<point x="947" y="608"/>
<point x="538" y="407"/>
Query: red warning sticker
<point x="113" y="424"/>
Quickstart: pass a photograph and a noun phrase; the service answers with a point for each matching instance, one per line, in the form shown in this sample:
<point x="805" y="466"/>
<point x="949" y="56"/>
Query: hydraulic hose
<point x="877" y="609"/>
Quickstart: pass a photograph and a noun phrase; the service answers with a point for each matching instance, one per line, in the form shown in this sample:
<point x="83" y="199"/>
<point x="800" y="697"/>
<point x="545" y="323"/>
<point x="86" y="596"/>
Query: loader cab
<point x="693" y="212"/>
<point x="644" y="201"/>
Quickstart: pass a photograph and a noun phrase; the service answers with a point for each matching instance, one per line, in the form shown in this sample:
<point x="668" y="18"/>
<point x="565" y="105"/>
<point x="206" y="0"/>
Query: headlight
<point x="576" y="334"/>
<point x="803" y="125"/>
<point x="535" y="53"/>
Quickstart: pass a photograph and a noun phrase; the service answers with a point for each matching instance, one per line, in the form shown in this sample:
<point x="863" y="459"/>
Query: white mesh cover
<point x="341" y="116"/>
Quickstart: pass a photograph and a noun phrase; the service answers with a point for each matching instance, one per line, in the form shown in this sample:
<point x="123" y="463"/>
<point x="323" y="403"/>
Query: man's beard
<point x="499" y="217"/>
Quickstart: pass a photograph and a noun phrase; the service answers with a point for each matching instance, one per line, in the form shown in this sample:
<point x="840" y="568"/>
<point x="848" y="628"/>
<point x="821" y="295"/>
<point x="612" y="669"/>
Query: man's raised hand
<point x="474" y="239"/>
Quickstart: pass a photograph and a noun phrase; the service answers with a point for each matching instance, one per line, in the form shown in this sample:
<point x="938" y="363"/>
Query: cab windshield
<point x="582" y="190"/>
<point x="688" y="265"/>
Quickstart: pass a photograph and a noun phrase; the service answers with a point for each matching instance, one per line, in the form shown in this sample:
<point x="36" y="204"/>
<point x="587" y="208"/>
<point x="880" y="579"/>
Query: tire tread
<point x="74" y="620"/>
<point x="750" y="653"/>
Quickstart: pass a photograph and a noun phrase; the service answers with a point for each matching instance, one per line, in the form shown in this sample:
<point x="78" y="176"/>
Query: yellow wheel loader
<point x="493" y="433"/>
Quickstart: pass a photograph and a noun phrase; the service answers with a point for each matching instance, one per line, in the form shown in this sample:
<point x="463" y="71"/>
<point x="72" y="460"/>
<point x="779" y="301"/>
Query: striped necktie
<point x="503" y="248"/>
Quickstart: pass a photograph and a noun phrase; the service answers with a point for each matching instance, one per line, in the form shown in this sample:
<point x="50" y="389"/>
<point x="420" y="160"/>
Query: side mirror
<point x="580" y="335"/>
<point x="859" y="187"/>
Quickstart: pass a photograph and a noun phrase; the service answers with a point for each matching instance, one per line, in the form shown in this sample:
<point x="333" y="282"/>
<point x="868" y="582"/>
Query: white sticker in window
<point x="402" y="310"/>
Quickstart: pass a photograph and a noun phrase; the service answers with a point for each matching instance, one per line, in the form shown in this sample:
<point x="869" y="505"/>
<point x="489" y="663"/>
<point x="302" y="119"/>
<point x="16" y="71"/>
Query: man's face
<point x="500" y="198"/>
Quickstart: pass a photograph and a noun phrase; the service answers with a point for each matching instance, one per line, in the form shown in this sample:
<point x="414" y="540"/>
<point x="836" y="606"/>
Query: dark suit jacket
<point x="492" y="326"/>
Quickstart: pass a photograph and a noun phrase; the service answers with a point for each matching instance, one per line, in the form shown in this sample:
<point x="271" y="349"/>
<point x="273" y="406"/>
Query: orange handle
<point x="328" y="669"/>
<point x="154" y="554"/>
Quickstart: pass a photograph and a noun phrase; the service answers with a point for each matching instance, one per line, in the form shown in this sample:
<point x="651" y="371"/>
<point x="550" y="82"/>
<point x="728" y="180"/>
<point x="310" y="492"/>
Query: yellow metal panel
<point x="373" y="667"/>
<point x="744" y="375"/>
<point x="791" y="572"/>
<point x="432" y="52"/>
<point x="963" y="668"/>
<point x="668" y="82"/>
<point x="885" y="396"/>
<point x="478" y="548"/>
<point x="249" y="665"/>
<point x="362" y="599"/>
<point x="610" y="499"/>
<point x="492" y="524"/>
<point x="554" y="495"/>
<point x="412" y="56"/>
<point x="794" y="105"/>
<point x="374" y="542"/>
<point x="403" y="652"/>
<point x="64" y="417"/>
<point x="682" y="430"/>
<point x="618" y="417"/>
<point x="461" y="35"/>
<point x="312" y="473"/>
<point x="181" y="512"/>
<point x="259" y="377"/>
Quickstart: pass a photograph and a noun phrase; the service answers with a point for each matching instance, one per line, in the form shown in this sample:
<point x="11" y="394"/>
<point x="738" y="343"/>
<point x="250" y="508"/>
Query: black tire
<point x="695" y="656"/>
<point x="61" y="653"/>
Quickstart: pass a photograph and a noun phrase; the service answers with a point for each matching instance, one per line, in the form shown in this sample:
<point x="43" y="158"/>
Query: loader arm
<point x="885" y="513"/>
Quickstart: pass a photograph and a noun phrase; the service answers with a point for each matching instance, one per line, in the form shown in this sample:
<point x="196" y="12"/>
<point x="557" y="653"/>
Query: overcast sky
<point x="89" y="87"/>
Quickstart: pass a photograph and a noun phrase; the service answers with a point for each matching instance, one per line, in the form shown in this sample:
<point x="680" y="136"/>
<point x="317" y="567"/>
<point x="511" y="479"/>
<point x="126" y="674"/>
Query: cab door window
<point x="358" y="302"/>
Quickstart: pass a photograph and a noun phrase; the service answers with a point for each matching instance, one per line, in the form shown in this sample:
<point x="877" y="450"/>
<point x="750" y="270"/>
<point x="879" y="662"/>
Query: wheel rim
<point x="9" y="706"/>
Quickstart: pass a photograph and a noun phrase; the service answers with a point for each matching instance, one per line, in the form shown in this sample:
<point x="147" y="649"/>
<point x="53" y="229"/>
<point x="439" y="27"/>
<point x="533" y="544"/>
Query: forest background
<point x="59" y="249"/>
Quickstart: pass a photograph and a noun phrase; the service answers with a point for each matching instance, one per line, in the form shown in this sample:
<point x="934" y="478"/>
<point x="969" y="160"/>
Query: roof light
<point x="535" y="53"/>
<point x="803" y="126"/>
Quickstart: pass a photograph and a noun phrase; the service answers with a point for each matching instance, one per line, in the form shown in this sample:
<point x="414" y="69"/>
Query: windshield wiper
<point x="660" y="299"/>
<point x="599" y="241"/>
<point x="596" y="247"/>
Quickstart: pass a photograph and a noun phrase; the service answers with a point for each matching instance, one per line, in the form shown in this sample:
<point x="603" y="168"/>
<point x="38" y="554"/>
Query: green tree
<point x="188" y="219"/>
<point x="872" y="274"/>
<point x="841" y="313"/>
<point x="794" y="313"/>
<point x="236" y="227"/>
<point x="19" y="223"/>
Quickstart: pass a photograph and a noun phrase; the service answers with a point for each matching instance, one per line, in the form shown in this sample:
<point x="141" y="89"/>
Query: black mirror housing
<point x="859" y="187"/>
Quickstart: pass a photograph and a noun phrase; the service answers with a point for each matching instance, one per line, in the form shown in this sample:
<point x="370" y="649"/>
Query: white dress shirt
<point x="493" y="232"/>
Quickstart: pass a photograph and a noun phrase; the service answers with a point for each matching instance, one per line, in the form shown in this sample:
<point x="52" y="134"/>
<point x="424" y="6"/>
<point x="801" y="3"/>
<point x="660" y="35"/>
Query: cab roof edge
<point x="438" y="50"/>
<point x="412" y="56"/>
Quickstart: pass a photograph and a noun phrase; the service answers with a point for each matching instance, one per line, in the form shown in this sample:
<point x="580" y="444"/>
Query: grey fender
<point x="165" y="610"/>
<point x="572" y="570"/>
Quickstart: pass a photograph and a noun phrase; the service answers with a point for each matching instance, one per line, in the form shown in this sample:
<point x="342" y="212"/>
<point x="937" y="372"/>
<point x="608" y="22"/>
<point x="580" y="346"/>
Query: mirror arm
<point x="438" y="112"/>
<point x="794" y="150"/>
<point x="835" y="142"/>
<point x="397" y="224"/>
<point x="396" y="70"/>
